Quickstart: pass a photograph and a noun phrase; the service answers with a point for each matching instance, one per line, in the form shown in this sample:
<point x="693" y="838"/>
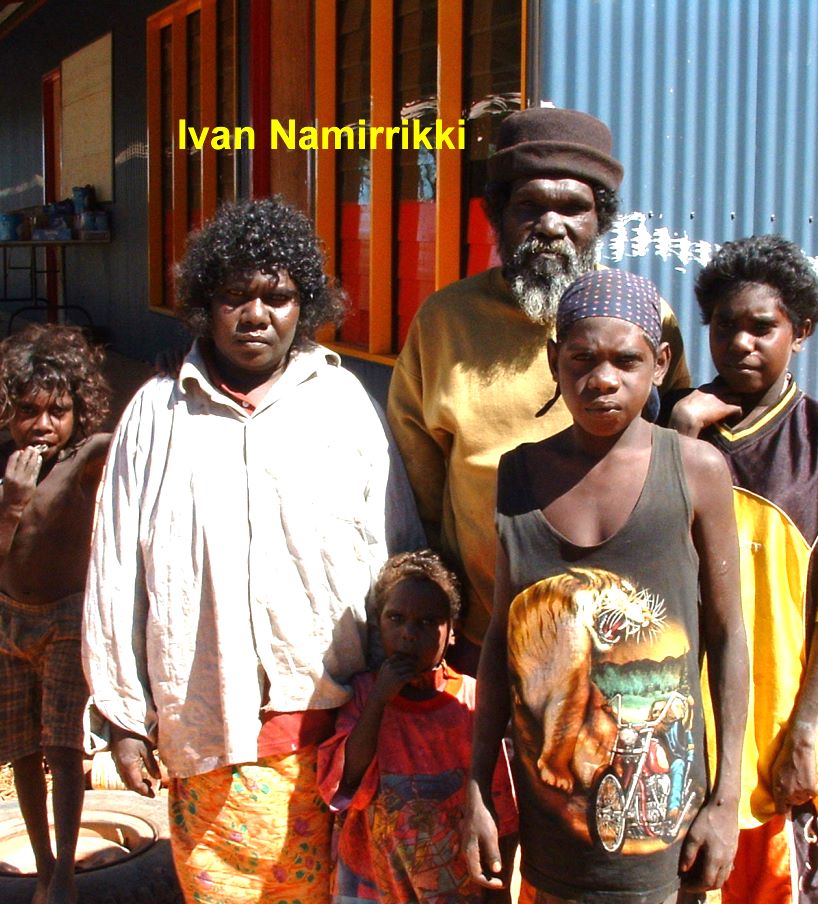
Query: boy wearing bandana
<point x="608" y="532"/>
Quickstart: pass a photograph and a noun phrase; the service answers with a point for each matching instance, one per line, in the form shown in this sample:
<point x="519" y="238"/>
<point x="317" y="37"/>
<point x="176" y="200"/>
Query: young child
<point x="398" y="762"/>
<point x="52" y="400"/>
<point x="608" y="532"/>
<point x="759" y="296"/>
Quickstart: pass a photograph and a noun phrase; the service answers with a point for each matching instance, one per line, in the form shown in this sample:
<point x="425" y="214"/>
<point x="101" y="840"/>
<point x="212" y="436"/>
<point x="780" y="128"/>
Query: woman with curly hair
<point x="241" y="524"/>
<point x="52" y="400"/>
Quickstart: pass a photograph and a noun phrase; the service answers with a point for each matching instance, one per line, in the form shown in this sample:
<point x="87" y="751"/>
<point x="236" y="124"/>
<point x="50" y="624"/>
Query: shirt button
<point x="245" y="404"/>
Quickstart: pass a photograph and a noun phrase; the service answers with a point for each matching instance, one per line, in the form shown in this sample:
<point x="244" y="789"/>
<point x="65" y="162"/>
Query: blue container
<point x="10" y="224"/>
<point x="84" y="198"/>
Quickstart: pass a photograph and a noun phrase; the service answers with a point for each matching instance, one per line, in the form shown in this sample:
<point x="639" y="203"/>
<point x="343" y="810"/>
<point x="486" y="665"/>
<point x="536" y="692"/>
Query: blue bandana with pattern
<point x="612" y="293"/>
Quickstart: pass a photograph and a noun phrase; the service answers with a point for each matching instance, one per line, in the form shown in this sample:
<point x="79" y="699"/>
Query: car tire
<point x="144" y="874"/>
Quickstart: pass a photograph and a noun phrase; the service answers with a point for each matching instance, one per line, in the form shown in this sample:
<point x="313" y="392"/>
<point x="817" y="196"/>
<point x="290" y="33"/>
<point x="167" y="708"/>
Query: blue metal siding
<point x="714" y="106"/>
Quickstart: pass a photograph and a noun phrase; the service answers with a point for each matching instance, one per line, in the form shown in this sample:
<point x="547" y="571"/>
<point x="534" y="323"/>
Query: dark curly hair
<point x="496" y="195"/>
<point x="768" y="259"/>
<point x="265" y="235"/>
<point x="422" y="564"/>
<point x="54" y="359"/>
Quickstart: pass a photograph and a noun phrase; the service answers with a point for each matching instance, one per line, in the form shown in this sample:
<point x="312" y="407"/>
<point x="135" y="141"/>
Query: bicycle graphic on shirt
<point x="644" y="791"/>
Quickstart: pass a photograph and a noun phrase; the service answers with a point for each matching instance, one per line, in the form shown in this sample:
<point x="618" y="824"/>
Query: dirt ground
<point x="6" y="783"/>
<point x="7" y="791"/>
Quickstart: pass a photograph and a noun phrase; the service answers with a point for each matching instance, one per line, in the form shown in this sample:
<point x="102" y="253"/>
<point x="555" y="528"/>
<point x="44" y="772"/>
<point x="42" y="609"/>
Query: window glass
<point x="416" y="169"/>
<point x="177" y="177"/>
<point x="492" y="90"/>
<point x="353" y="165"/>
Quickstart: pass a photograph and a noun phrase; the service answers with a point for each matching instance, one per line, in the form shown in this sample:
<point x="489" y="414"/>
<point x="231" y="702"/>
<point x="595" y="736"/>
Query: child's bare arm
<point x="794" y="775"/>
<point x="19" y="484"/>
<point x="480" y="839"/>
<point x="711" y="842"/>
<point x="362" y="742"/>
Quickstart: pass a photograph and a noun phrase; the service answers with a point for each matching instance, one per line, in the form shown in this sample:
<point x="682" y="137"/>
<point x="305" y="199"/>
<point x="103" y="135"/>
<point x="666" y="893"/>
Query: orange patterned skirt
<point x="255" y="832"/>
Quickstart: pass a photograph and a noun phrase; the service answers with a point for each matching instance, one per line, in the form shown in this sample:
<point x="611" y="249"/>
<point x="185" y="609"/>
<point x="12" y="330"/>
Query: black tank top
<point x="603" y="656"/>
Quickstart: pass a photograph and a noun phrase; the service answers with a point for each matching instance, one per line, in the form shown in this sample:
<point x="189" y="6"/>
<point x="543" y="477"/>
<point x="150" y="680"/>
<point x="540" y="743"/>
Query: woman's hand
<point x="133" y="756"/>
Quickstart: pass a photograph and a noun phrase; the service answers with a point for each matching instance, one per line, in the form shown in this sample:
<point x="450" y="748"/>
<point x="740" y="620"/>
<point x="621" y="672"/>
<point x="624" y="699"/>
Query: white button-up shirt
<point x="229" y="545"/>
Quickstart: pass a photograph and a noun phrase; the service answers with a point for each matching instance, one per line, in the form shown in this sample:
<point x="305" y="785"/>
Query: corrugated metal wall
<point x="714" y="109"/>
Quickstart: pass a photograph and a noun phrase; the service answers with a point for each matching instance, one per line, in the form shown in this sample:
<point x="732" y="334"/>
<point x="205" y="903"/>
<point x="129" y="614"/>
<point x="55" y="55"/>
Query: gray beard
<point x="537" y="283"/>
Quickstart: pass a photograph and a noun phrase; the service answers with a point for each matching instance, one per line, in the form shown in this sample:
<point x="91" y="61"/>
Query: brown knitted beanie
<point x="543" y="140"/>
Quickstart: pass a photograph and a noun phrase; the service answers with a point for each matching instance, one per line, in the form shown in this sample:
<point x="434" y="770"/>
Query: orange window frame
<point x="449" y="173"/>
<point x="175" y="17"/>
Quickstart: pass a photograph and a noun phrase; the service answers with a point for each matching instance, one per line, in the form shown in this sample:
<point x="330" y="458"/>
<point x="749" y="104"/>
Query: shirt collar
<point x="302" y="366"/>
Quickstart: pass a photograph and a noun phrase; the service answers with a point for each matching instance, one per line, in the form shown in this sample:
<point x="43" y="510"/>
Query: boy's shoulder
<point x="701" y="461"/>
<point x="88" y="452"/>
<point x="93" y="454"/>
<point x="810" y="405"/>
<point x="553" y="447"/>
<point x="522" y="471"/>
<point x="95" y="445"/>
<point x="797" y="410"/>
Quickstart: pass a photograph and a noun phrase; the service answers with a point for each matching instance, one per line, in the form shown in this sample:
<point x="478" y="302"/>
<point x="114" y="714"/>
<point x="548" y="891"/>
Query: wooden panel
<point x="325" y="105"/>
<point x="382" y="224"/>
<point x="260" y="90"/>
<point x="448" y="229"/>
<point x="52" y="133"/>
<point x="155" y="224"/>
<point x="179" y="110"/>
<point x="87" y="138"/>
<point x="23" y="11"/>
<point x="208" y="100"/>
<point x="524" y="13"/>
<point x="291" y="97"/>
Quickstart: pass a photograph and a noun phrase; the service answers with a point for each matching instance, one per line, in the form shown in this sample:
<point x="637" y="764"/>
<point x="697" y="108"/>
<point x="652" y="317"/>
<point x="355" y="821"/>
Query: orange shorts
<point x="764" y="869"/>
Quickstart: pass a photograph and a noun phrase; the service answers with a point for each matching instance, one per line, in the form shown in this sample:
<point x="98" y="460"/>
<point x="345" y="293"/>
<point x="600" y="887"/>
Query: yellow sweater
<point x="465" y="389"/>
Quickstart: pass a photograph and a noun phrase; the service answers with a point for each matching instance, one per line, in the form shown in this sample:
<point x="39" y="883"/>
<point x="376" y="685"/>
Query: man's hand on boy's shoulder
<point x="710" y="846"/>
<point x="700" y="408"/>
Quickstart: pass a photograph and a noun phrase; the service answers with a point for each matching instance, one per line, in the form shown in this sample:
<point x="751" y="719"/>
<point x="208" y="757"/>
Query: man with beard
<point x="474" y="370"/>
